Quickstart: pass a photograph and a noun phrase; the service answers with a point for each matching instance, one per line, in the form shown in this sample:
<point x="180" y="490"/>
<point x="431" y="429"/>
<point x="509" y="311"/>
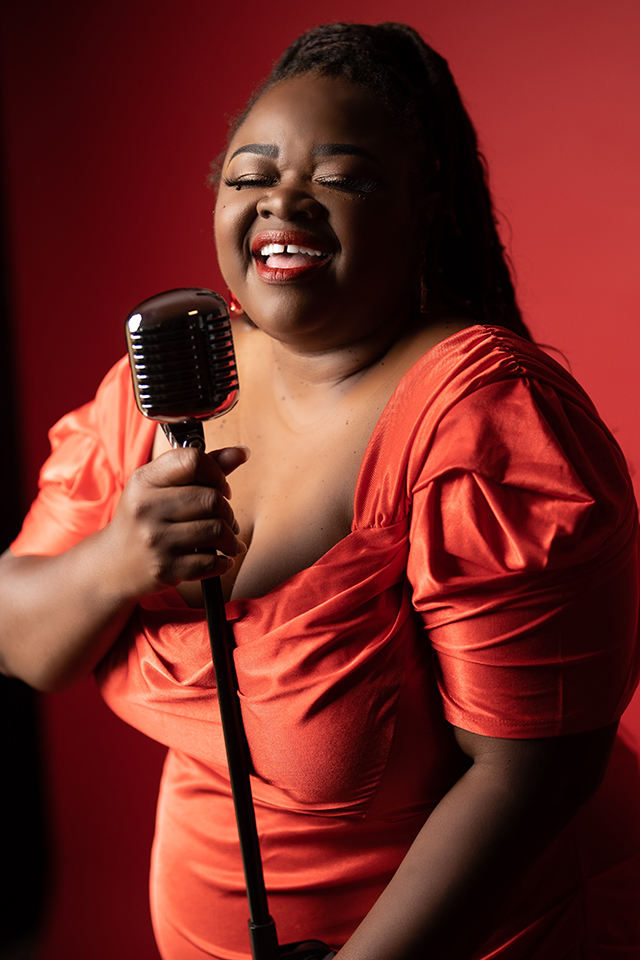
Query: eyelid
<point x="249" y="180"/>
<point x="344" y="182"/>
<point x="250" y="165"/>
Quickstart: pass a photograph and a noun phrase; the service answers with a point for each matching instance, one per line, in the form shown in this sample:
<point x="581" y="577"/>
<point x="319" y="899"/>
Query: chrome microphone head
<point x="181" y="354"/>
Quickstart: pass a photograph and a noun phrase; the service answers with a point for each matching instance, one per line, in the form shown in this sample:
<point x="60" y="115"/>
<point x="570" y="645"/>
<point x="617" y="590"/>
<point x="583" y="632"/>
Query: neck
<point x="336" y="366"/>
<point x="310" y="385"/>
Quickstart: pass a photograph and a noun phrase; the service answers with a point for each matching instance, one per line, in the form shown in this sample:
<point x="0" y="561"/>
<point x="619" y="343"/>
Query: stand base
<point x="306" y="950"/>
<point x="264" y="945"/>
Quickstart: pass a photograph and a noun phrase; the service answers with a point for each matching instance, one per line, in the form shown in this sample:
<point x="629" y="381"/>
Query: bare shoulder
<point x="418" y="340"/>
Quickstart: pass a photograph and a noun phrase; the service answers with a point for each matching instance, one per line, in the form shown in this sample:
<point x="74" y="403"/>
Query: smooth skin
<point x="319" y="358"/>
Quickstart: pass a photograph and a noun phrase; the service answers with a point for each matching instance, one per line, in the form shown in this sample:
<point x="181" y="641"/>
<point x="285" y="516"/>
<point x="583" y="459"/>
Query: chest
<point x="294" y="497"/>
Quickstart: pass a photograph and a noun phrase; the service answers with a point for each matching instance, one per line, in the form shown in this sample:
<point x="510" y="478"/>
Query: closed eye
<point x="249" y="180"/>
<point x="348" y="184"/>
<point x="355" y="184"/>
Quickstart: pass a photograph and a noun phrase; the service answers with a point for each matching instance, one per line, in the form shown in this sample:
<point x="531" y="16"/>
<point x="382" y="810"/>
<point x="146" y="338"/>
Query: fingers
<point x="174" y="517"/>
<point x="189" y="490"/>
<point x="181" y="504"/>
<point x="188" y="465"/>
<point x="205" y="532"/>
<point x="194" y="551"/>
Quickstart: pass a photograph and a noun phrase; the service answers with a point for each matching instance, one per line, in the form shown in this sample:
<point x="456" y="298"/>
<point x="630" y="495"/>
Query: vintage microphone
<point x="184" y="372"/>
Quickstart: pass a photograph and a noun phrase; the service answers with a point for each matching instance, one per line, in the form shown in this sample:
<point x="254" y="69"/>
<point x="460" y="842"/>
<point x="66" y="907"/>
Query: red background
<point x="111" y="117"/>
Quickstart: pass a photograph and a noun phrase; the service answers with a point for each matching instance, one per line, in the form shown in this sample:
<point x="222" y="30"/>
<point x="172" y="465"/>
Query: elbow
<point x="37" y="683"/>
<point x="56" y="680"/>
<point x="47" y="684"/>
<point x="42" y="677"/>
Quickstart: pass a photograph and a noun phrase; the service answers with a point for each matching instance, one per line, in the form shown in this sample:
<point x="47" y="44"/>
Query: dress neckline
<point x="235" y="606"/>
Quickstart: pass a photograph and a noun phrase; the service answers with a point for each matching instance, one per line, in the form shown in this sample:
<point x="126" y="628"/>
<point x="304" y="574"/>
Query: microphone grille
<point x="181" y="354"/>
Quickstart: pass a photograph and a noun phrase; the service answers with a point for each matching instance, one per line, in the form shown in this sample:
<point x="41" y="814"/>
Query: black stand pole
<point x="262" y="930"/>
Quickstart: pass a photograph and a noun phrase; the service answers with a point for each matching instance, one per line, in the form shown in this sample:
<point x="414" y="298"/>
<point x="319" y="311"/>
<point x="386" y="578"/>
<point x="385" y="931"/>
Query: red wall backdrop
<point x="111" y="116"/>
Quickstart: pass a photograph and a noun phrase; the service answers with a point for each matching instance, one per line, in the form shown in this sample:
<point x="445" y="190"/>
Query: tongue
<point x="286" y="261"/>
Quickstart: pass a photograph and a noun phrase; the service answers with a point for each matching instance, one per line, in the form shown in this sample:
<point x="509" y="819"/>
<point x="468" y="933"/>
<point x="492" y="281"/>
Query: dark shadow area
<point x="22" y="839"/>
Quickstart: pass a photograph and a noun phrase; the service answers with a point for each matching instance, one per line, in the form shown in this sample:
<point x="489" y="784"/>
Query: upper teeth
<point x="271" y="248"/>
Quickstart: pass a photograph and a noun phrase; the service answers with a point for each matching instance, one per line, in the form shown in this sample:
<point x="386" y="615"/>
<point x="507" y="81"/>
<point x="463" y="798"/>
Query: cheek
<point x="222" y="224"/>
<point x="228" y="232"/>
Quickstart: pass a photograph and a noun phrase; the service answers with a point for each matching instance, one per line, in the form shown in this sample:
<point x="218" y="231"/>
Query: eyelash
<point x="249" y="182"/>
<point x="357" y="185"/>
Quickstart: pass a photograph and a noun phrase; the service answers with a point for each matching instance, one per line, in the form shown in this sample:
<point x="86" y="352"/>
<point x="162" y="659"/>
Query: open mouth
<point x="283" y="257"/>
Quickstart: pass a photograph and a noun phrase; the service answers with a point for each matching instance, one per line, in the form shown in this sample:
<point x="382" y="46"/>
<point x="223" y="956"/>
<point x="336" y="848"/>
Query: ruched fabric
<point x="489" y="581"/>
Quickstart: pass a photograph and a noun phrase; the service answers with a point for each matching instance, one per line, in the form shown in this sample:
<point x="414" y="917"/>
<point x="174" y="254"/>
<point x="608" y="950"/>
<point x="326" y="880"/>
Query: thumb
<point x="228" y="458"/>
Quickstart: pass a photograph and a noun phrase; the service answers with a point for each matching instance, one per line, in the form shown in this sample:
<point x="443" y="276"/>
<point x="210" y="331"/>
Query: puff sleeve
<point x="93" y="451"/>
<point x="523" y="562"/>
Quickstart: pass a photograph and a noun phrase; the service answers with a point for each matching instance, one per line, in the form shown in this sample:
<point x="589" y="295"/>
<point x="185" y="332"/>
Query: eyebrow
<point x="264" y="149"/>
<point x="342" y="149"/>
<point x="320" y="150"/>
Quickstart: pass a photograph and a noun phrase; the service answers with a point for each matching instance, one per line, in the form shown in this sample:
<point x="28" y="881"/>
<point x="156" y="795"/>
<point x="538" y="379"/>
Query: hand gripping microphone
<point x="184" y="372"/>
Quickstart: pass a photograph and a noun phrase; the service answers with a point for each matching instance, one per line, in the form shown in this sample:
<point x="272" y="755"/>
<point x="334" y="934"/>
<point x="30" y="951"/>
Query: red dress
<point x="489" y="580"/>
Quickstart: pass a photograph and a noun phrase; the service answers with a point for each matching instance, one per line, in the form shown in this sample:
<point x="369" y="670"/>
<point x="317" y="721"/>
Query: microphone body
<point x="182" y="361"/>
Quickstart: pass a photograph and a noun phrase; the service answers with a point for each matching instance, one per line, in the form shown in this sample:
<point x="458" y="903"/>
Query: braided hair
<point x="465" y="264"/>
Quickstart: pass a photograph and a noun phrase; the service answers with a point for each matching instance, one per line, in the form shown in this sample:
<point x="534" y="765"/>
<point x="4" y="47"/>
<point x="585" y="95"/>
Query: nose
<point x="288" y="202"/>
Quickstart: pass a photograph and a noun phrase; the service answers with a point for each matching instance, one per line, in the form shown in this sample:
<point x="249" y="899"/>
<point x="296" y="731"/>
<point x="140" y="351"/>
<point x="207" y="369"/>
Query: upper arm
<point x="564" y="771"/>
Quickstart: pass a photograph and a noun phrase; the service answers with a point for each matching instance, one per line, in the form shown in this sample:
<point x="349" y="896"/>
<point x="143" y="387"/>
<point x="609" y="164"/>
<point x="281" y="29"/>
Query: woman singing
<point x="429" y="557"/>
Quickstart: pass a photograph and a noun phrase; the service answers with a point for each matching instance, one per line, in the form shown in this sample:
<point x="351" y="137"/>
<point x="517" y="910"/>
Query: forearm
<point x="61" y="614"/>
<point x="449" y="893"/>
<point x="442" y="901"/>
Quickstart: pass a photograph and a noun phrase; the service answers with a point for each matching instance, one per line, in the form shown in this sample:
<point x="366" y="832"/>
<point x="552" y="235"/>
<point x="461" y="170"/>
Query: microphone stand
<point x="262" y="929"/>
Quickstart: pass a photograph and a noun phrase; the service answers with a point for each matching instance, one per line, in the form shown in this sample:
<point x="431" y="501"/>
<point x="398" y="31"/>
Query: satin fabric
<point x="489" y="580"/>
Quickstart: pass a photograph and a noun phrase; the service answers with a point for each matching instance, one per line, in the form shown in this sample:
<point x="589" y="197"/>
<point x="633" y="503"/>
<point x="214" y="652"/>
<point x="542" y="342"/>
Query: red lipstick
<point x="282" y="256"/>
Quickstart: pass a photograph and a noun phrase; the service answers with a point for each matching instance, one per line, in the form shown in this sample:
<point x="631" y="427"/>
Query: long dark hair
<point x="465" y="265"/>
